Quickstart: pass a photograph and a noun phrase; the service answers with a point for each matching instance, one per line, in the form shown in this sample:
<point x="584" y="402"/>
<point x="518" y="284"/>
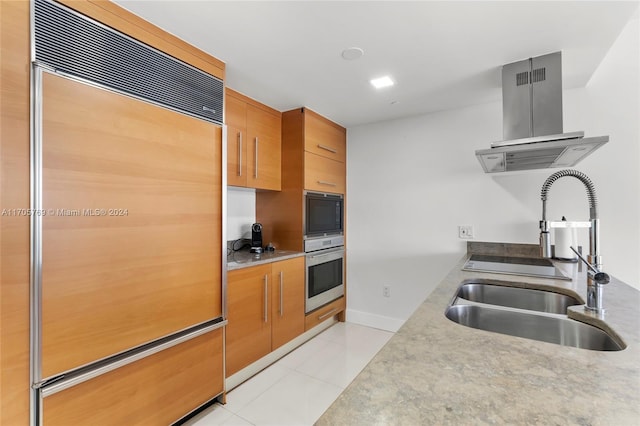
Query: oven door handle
<point x="317" y="259"/>
<point x="315" y="256"/>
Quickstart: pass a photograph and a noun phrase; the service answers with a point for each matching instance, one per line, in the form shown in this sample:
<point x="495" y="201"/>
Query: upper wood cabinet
<point x="253" y="143"/>
<point x="236" y="120"/>
<point x="323" y="174"/>
<point x="324" y="137"/>
<point x="265" y="310"/>
<point x="314" y="159"/>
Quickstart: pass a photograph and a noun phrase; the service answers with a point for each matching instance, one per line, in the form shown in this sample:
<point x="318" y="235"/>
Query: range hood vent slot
<point x="522" y="78"/>
<point x="539" y="75"/>
<point x="532" y="121"/>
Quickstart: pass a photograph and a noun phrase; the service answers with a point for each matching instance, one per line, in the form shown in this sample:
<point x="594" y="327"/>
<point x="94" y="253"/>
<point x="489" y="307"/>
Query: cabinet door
<point x="248" y="335"/>
<point x="264" y="145"/>
<point x="155" y="390"/>
<point x="287" y="301"/>
<point x="236" y="119"/>
<point x="323" y="174"/>
<point x="129" y="246"/>
<point x="323" y="137"/>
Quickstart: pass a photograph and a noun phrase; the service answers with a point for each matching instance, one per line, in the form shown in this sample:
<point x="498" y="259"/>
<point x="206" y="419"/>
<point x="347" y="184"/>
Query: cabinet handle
<point x="256" y="169"/>
<point x="324" y="182"/>
<point x="281" y="288"/>
<point x="240" y="153"/>
<point x="327" y="315"/>
<point x="266" y="298"/>
<point x="326" y="148"/>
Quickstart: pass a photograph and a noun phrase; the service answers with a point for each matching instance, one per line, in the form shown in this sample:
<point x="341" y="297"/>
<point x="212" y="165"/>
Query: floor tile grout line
<point x="289" y="371"/>
<point x="341" y="338"/>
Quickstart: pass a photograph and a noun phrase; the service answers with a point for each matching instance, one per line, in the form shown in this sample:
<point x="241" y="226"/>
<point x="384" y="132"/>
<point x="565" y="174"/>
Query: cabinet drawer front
<point x="156" y="390"/>
<point x="324" y="313"/>
<point x="324" y="138"/>
<point x="324" y="175"/>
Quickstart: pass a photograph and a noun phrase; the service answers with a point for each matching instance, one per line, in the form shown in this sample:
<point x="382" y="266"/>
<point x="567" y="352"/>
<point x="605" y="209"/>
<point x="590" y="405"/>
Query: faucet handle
<point x="601" y="278"/>
<point x="598" y="276"/>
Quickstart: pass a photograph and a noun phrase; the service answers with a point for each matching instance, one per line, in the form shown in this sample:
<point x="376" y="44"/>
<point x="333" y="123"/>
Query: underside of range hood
<point x="532" y="121"/>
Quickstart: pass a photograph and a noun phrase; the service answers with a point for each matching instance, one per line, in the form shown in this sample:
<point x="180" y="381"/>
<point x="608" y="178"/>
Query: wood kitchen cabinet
<point x="323" y="313"/>
<point x="324" y="174"/>
<point x="253" y="143"/>
<point x="172" y="384"/>
<point x="324" y="152"/>
<point x="323" y="137"/>
<point x="236" y="120"/>
<point x="265" y="310"/>
<point x="158" y="389"/>
<point x="248" y="334"/>
<point x="141" y="270"/>
<point x="314" y="159"/>
<point x="287" y="309"/>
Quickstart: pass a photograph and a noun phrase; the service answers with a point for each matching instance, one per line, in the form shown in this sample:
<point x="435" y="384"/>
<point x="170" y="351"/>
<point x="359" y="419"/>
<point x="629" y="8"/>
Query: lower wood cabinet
<point x="324" y="313"/>
<point x="155" y="390"/>
<point x="287" y="307"/>
<point x="265" y="309"/>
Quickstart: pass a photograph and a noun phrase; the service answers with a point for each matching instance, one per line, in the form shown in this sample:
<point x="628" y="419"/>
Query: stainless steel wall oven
<point x="324" y="277"/>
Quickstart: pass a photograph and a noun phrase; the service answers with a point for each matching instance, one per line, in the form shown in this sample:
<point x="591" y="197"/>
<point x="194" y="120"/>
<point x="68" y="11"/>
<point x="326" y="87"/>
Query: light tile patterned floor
<point x="298" y="388"/>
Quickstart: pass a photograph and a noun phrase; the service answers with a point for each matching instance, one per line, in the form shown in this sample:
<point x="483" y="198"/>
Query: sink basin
<point x="517" y="297"/>
<point x="543" y="327"/>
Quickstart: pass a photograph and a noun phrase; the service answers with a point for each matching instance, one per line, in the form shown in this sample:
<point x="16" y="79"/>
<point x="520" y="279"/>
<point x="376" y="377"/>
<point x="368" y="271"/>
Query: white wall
<point x="241" y="212"/>
<point x="411" y="182"/>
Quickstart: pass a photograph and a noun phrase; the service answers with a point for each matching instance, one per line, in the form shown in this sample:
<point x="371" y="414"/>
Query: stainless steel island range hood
<point x="532" y="121"/>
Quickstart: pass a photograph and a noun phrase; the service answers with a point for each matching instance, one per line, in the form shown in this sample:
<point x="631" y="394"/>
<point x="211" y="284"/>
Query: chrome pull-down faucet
<point x="596" y="278"/>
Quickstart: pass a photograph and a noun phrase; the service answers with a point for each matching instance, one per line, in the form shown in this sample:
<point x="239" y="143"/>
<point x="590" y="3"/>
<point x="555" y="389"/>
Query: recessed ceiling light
<point x="352" y="53"/>
<point x="381" y="82"/>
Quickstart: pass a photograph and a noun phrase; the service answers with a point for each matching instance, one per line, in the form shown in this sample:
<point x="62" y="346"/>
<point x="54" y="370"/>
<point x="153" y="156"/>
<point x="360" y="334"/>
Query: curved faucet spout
<point x="591" y="190"/>
<point x="595" y="280"/>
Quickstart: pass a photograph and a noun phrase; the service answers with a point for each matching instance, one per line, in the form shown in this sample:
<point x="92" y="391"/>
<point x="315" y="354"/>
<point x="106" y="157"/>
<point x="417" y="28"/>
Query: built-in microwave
<point x="323" y="220"/>
<point x="324" y="277"/>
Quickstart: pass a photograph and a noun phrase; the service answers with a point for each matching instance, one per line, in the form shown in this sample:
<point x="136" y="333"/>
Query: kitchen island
<point x="435" y="372"/>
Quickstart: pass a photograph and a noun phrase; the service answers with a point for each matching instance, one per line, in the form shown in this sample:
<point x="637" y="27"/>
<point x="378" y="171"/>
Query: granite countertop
<point x="243" y="259"/>
<point x="434" y="371"/>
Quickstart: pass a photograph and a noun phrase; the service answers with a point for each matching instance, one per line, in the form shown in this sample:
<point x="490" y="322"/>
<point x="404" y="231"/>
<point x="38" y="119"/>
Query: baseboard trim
<point x="259" y="365"/>
<point x="372" y="320"/>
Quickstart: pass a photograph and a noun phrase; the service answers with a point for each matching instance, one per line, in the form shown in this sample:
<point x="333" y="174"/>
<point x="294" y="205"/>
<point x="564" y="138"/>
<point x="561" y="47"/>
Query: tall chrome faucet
<point x="596" y="278"/>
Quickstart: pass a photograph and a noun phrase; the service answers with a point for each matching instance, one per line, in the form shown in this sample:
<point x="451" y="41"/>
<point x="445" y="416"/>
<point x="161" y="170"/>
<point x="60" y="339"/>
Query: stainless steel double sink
<point x="537" y="314"/>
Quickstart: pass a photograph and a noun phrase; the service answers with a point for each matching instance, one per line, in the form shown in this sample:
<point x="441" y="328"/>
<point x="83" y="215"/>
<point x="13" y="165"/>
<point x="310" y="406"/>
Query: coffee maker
<point x="256" y="238"/>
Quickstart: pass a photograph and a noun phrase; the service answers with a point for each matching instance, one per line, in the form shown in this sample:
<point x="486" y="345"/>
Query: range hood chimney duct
<point x="532" y="121"/>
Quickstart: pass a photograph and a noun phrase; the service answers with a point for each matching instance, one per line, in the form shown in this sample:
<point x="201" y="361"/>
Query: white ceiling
<point x="442" y="54"/>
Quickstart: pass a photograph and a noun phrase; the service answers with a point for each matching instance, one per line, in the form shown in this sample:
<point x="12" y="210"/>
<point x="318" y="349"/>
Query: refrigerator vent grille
<point x="78" y="46"/>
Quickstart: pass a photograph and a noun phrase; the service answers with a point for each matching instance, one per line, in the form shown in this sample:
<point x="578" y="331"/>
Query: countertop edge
<point x="265" y="258"/>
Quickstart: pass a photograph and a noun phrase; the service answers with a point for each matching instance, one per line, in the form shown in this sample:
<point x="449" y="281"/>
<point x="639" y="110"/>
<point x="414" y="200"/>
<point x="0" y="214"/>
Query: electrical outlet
<point x="386" y="291"/>
<point x="465" y="232"/>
